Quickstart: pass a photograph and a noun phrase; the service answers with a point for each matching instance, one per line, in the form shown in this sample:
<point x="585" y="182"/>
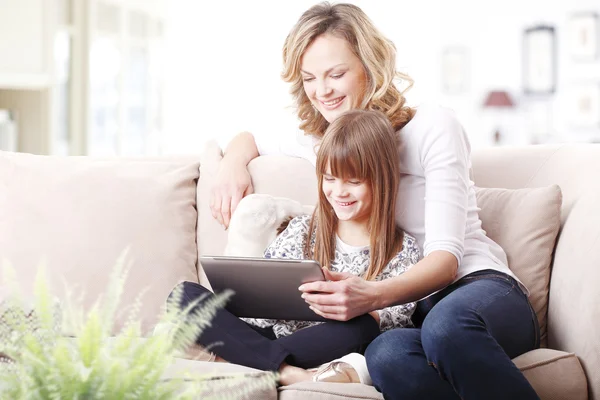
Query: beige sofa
<point x="67" y="210"/>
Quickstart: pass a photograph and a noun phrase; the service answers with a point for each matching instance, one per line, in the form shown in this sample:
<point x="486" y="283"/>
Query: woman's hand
<point x="343" y="297"/>
<point x="232" y="183"/>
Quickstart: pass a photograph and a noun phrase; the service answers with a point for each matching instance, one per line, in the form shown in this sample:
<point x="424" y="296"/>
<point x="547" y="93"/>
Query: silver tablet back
<point x="263" y="288"/>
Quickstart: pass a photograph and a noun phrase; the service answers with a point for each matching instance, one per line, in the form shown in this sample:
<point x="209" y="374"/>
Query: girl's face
<point x="351" y="199"/>
<point x="333" y="76"/>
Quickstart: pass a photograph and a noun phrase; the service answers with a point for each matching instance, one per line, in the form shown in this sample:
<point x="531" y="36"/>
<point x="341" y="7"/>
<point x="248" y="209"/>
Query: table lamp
<point x="498" y="99"/>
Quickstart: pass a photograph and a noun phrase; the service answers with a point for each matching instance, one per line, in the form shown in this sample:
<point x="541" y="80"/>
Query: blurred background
<point x="134" y="77"/>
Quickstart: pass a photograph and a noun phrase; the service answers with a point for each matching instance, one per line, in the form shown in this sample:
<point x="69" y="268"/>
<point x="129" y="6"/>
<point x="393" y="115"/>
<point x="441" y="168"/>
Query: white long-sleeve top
<point x="355" y="260"/>
<point x="436" y="199"/>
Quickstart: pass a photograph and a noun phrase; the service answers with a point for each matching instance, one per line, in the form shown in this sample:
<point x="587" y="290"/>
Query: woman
<point x="473" y="315"/>
<point x="349" y="233"/>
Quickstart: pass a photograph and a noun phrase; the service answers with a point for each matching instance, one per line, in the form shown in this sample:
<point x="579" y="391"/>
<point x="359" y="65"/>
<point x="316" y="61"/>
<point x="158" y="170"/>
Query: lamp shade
<point x="498" y="98"/>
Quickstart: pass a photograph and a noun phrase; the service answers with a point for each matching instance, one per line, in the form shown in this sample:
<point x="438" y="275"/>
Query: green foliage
<point x="41" y="363"/>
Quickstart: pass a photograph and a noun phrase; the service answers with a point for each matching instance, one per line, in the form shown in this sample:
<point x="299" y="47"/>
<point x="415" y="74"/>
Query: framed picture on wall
<point x="584" y="36"/>
<point x="455" y="70"/>
<point x="584" y="104"/>
<point x="539" y="60"/>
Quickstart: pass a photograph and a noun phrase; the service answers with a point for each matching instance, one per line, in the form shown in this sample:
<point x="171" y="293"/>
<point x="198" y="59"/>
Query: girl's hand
<point x="232" y="183"/>
<point x="343" y="297"/>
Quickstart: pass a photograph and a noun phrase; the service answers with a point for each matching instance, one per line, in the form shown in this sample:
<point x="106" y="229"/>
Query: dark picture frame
<point x="539" y="60"/>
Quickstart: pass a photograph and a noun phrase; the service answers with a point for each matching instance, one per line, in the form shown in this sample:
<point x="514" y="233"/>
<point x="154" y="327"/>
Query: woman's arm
<point x="399" y="316"/>
<point x="233" y="181"/>
<point x="432" y="273"/>
<point x="346" y="296"/>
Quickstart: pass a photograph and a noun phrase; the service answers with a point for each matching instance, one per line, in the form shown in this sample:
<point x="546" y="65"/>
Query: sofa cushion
<point x="525" y="222"/>
<point x="554" y="374"/>
<point x="225" y="381"/>
<point x="76" y="215"/>
<point x="328" y="391"/>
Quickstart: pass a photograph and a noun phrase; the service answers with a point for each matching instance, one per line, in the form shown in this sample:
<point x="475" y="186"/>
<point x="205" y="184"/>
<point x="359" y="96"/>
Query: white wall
<point x="224" y="60"/>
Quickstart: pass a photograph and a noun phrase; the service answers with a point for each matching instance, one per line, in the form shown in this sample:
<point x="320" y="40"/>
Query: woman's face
<point x="333" y="76"/>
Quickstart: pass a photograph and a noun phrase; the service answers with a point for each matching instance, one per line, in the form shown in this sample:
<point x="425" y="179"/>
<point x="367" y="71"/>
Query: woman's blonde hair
<point x="375" y="51"/>
<point x="360" y="145"/>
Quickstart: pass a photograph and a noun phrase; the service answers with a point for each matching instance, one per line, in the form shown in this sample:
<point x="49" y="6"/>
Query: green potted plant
<point x="38" y="362"/>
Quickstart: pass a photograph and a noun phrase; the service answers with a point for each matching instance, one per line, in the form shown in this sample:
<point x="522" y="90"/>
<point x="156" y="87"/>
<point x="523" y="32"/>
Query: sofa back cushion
<point x="76" y="215"/>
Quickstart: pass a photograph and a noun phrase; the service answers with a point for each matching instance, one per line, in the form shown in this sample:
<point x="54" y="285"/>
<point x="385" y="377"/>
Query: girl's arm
<point x="233" y="181"/>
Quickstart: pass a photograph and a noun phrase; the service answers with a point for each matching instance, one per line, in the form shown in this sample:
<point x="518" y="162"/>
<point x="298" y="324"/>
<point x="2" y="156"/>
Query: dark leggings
<point x="244" y="344"/>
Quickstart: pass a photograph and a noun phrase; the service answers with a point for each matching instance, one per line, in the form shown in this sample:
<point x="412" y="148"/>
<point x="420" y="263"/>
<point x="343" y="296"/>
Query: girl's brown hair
<point x="376" y="52"/>
<point x="360" y="145"/>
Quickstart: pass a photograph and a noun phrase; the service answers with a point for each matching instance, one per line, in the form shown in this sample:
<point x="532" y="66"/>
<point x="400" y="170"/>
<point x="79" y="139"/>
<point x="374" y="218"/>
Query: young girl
<point x="350" y="232"/>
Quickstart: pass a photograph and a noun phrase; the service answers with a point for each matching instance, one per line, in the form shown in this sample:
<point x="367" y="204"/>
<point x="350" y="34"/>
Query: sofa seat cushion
<point x="555" y="375"/>
<point x="328" y="391"/>
<point x="77" y="215"/>
<point x="223" y="380"/>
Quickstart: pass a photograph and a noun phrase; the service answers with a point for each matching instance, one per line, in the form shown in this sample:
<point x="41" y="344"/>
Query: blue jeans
<point x="463" y="348"/>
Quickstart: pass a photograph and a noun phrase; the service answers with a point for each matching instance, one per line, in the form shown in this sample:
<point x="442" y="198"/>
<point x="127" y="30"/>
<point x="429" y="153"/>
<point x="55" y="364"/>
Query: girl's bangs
<point x="344" y="161"/>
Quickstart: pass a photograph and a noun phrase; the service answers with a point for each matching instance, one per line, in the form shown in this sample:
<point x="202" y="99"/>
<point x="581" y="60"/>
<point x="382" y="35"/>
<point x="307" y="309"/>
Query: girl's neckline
<point x="348" y="248"/>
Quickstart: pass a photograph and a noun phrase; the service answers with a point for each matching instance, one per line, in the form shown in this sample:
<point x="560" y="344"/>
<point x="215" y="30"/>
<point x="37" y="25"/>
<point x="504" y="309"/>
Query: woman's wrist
<point x="389" y="292"/>
<point x="230" y="161"/>
<point x="377" y="293"/>
<point x="241" y="150"/>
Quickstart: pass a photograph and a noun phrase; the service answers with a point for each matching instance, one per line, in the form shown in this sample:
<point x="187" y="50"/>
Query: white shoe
<point x="352" y="368"/>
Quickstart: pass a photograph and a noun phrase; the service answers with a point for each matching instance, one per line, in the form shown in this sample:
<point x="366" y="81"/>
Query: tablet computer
<point x="264" y="287"/>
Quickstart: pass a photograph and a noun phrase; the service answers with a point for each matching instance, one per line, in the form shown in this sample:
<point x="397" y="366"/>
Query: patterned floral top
<point x="355" y="260"/>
